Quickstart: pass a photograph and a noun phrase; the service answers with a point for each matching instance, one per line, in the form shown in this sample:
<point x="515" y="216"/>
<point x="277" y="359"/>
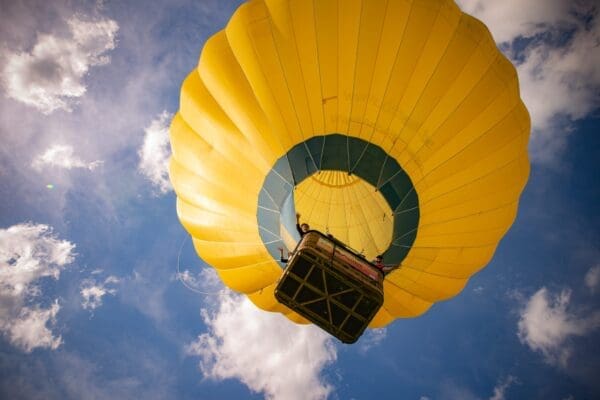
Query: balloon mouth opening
<point x="341" y="185"/>
<point x="347" y="207"/>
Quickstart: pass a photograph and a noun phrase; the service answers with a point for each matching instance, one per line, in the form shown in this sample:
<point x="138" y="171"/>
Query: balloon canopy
<point x="394" y="125"/>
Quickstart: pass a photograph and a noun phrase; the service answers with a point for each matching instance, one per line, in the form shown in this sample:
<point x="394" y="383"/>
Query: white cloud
<point x="62" y="156"/>
<point x="264" y="351"/>
<point x="92" y="292"/>
<point x="592" y="278"/>
<point x="557" y="62"/>
<point x="502" y="387"/>
<point x="29" y="330"/>
<point x="372" y="338"/>
<point x="450" y="390"/>
<point x="29" y="252"/>
<point x="547" y="324"/>
<point x="510" y="19"/>
<point x="155" y="152"/>
<point x="50" y="77"/>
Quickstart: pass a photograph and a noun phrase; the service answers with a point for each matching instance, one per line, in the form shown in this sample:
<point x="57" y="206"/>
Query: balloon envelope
<point x="396" y="126"/>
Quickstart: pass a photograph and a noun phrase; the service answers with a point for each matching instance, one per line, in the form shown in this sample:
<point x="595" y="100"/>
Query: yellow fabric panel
<point x="235" y="95"/>
<point x="475" y="62"/>
<point x="255" y="50"/>
<point x="200" y="204"/>
<point x="216" y="127"/>
<point x="233" y="254"/>
<point x="416" y="32"/>
<point x="372" y="13"/>
<point x="469" y="144"/>
<point x="484" y="125"/>
<point x="426" y="286"/>
<point x="451" y="37"/>
<point x="189" y="148"/>
<point x="265" y="299"/>
<point x="418" y="78"/>
<point x="285" y="41"/>
<point x="454" y="189"/>
<point x="448" y="270"/>
<point x="423" y="91"/>
<point x="201" y="189"/>
<point x="479" y="222"/>
<point x="458" y="111"/>
<point x="348" y="31"/>
<point x="454" y="257"/>
<point x="326" y="17"/>
<point x="217" y="225"/>
<point x="381" y="319"/>
<point x="435" y="211"/>
<point x="457" y="239"/>
<point x="302" y="13"/>
<point x="402" y="304"/>
<point x="250" y="278"/>
<point x="192" y="151"/>
<point x="387" y="57"/>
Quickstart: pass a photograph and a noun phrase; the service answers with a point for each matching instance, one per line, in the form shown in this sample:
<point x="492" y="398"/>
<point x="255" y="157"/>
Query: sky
<point x="102" y="296"/>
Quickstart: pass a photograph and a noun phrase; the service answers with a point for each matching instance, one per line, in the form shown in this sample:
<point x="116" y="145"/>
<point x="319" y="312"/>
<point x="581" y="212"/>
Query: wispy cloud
<point x="372" y="338"/>
<point x="155" y="152"/>
<point x="92" y="291"/>
<point x="29" y="252"/>
<point x="51" y="76"/>
<point x="547" y="324"/>
<point x="29" y="329"/>
<point x="555" y="46"/>
<point x="264" y="351"/>
<point x="62" y="156"/>
<point x="592" y="278"/>
<point x="450" y="390"/>
<point x="502" y="387"/>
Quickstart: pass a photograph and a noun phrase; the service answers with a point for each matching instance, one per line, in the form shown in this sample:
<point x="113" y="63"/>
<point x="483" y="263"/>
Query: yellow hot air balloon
<point x="395" y="125"/>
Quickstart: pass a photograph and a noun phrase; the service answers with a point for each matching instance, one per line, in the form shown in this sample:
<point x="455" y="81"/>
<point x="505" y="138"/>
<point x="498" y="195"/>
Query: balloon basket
<point x="331" y="286"/>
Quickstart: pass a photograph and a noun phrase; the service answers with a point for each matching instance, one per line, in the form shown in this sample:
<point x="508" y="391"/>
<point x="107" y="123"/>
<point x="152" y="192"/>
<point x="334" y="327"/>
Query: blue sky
<point x="102" y="296"/>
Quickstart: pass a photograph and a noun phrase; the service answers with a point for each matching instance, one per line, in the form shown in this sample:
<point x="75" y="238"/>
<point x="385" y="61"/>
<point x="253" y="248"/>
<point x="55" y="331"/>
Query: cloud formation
<point x="92" y="292"/>
<point x="29" y="252"/>
<point x="372" y="338"/>
<point x="155" y="152"/>
<point x="264" y="351"/>
<point x="30" y="328"/>
<point x="547" y="324"/>
<point x="62" y="156"/>
<point x="502" y="387"/>
<point x="451" y="390"/>
<point x="51" y="76"/>
<point x="592" y="278"/>
<point x="555" y="46"/>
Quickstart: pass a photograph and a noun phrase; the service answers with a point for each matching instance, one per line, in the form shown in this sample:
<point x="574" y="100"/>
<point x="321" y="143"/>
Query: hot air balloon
<point x="395" y="126"/>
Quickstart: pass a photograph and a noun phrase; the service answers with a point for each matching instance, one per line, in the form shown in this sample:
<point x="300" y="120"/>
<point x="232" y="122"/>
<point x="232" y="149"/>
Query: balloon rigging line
<point x="187" y="285"/>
